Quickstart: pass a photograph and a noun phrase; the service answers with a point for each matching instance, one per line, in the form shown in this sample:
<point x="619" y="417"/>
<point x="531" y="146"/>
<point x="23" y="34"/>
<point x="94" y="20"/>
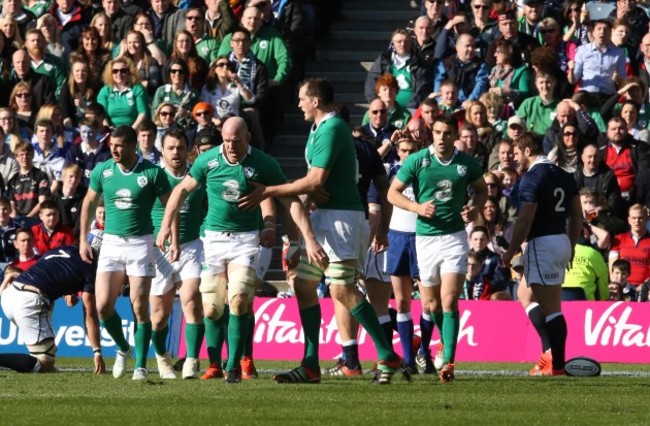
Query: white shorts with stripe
<point x="441" y="254"/>
<point x="31" y="312"/>
<point x="188" y="266"/>
<point x="546" y="259"/>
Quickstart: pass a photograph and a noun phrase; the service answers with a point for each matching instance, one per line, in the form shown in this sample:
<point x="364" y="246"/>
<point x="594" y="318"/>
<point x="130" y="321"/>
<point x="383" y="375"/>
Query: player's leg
<point x="402" y="287"/>
<point x="379" y="292"/>
<point x="216" y="313"/>
<point x="241" y="289"/>
<point x="550" y="302"/>
<point x="348" y="327"/>
<point x="537" y="319"/>
<point x="190" y="298"/>
<point x="139" y="294"/>
<point x="107" y="289"/>
<point x="161" y="307"/>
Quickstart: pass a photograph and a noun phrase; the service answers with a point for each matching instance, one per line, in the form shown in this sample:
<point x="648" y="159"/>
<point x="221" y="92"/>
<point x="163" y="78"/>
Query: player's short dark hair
<point x="176" y="133"/>
<point x="44" y="122"/>
<point x="622" y="265"/>
<point x="95" y="109"/>
<point x="448" y="120"/>
<point x="468" y="127"/>
<point x="588" y="191"/>
<point x="90" y="122"/>
<point x="509" y="170"/>
<point x="244" y="31"/>
<point x="531" y="141"/>
<point x="319" y="88"/>
<point x="126" y="133"/>
<point x="12" y="269"/>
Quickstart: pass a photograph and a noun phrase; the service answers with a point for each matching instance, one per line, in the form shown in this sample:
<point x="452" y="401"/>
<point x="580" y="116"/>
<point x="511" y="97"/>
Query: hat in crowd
<point x="506" y="14"/>
<point x="208" y="136"/>
<point x="516" y="120"/>
<point x="517" y="262"/>
<point x="532" y="2"/>
<point x="202" y="106"/>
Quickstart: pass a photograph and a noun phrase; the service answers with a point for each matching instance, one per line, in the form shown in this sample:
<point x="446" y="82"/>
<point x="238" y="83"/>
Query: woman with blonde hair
<point x="80" y="92"/>
<point x="124" y="99"/>
<point x="164" y="118"/>
<point x="20" y="100"/>
<point x="9" y="26"/>
<point x="476" y="114"/>
<point x="50" y="30"/>
<point x="103" y="24"/>
<point x="148" y="68"/>
<point x="63" y="137"/>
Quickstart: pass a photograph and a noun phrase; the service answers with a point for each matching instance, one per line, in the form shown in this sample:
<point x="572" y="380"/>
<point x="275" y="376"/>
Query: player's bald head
<point x="235" y="125"/>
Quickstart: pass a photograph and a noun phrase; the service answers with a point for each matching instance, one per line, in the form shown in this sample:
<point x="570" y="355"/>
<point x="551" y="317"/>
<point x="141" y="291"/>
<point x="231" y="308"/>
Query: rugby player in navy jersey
<point x="549" y="198"/>
<point x="27" y="300"/>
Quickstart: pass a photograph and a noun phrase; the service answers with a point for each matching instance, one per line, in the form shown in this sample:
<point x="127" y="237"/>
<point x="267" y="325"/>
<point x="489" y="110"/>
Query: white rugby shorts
<point x="546" y="259"/>
<point x="134" y="254"/>
<point x="187" y="267"/>
<point x="223" y="248"/>
<point x="343" y="234"/>
<point x="31" y="312"/>
<point x="441" y="254"/>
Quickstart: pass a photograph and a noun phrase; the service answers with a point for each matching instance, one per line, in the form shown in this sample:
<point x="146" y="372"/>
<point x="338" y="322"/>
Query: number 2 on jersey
<point x="559" y="194"/>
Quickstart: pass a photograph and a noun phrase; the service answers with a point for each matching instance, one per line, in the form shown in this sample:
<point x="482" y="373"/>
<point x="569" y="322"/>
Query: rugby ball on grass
<point x="582" y="367"/>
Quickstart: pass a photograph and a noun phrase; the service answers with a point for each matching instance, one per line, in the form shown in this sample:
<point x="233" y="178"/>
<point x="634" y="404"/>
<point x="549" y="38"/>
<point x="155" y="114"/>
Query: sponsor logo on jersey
<point x="213" y="163"/>
<point x="142" y="181"/>
<point x="263" y="44"/>
<point x="426" y="162"/>
<point x="462" y="169"/>
<point x="124" y="201"/>
<point x="249" y="172"/>
<point x="107" y="173"/>
<point x="231" y="192"/>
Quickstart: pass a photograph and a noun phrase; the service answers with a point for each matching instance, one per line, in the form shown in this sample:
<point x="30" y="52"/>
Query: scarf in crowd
<point x="502" y="73"/>
<point x="246" y="70"/>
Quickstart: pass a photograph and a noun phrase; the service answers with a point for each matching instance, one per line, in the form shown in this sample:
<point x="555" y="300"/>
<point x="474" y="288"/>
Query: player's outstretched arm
<point x="520" y="231"/>
<point x="172" y="207"/>
<point x="87" y="211"/>
<point x="315" y="253"/>
<point x="314" y="181"/>
<point x="91" y="320"/>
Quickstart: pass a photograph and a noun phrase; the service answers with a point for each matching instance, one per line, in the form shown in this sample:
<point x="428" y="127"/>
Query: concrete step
<point x="384" y="5"/>
<point x="341" y="76"/>
<point x="360" y="36"/>
<point x="379" y="25"/>
<point x="347" y="55"/>
<point x="376" y="46"/>
<point x="377" y="14"/>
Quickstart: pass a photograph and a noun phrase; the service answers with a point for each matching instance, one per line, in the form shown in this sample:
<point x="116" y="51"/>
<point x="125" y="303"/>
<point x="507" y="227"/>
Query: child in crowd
<point x="24" y="244"/>
<point x="90" y="151"/>
<point x="619" y="288"/>
<point x="509" y="179"/>
<point x="100" y="214"/>
<point x="50" y="233"/>
<point x="147" y="141"/>
<point x="70" y="197"/>
<point x="476" y="286"/>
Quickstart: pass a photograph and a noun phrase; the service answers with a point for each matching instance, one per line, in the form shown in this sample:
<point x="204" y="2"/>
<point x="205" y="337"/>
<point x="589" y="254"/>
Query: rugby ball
<point x="582" y="367"/>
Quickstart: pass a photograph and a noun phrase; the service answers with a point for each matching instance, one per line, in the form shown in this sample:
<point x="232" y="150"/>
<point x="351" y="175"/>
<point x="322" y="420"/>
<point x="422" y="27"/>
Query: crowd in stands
<point x="576" y="75"/>
<point x="71" y="71"/>
<point x="572" y="74"/>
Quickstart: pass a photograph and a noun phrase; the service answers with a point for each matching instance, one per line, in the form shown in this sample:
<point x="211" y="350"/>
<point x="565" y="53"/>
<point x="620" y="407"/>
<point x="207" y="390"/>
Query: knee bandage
<point x="44" y="351"/>
<point x="340" y="274"/>
<point x="241" y="281"/>
<point x="213" y="295"/>
<point x="308" y="271"/>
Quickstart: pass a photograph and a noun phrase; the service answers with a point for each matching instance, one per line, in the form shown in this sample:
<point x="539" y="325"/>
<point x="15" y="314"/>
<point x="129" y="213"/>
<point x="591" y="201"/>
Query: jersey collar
<point x="433" y="154"/>
<point x="540" y="160"/>
<point x="327" y="117"/>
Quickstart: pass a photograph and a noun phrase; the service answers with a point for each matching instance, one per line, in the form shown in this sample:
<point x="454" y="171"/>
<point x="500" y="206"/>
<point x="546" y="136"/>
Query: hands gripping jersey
<point x="60" y="272"/>
<point x="444" y="183"/>
<point x="330" y="146"/>
<point x="191" y="212"/>
<point x="552" y="189"/>
<point x="225" y="183"/>
<point x="129" y="196"/>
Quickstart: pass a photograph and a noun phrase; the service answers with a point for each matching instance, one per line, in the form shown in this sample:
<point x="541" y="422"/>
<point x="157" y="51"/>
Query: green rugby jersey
<point x="129" y="197"/>
<point x="225" y="183"/>
<point x="446" y="184"/>
<point x="191" y="213"/>
<point x="330" y="146"/>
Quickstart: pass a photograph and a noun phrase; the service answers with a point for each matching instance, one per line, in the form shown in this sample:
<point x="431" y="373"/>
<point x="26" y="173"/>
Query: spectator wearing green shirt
<point x="44" y="63"/>
<point x="206" y="46"/>
<point x="386" y="88"/>
<point x="539" y="111"/>
<point x="123" y="97"/>
<point x="177" y="91"/>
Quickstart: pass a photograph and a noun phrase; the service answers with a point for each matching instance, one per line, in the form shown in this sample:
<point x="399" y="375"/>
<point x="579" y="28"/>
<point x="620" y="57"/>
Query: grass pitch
<point x="481" y="394"/>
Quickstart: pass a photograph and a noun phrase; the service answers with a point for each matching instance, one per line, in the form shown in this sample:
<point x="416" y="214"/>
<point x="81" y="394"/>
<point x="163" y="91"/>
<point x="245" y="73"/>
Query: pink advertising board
<point x="489" y="331"/>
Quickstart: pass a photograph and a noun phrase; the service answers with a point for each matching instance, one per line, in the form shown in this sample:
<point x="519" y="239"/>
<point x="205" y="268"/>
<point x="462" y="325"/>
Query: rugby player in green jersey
<point x="183" y="274"/>
<point x="130" y="186"/>
<point x="340" y="226"/>
<point x="440" y="176"/>
<point x="232" y="235"/>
